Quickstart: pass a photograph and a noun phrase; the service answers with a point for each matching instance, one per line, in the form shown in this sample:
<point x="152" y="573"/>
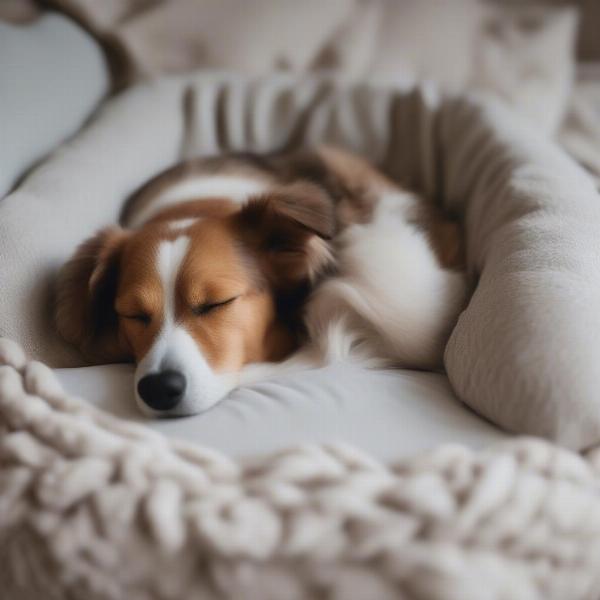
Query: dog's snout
<point x="162" y="391"/>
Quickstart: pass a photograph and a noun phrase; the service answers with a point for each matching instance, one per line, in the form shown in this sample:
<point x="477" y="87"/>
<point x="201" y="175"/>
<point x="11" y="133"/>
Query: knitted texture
<point x="93" y="507"/>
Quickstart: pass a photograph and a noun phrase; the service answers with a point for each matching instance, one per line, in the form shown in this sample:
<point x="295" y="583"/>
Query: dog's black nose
<point x="162" y="391"/>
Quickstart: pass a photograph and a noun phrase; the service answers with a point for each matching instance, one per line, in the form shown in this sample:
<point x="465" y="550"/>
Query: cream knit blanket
<point x="92" y="507"/>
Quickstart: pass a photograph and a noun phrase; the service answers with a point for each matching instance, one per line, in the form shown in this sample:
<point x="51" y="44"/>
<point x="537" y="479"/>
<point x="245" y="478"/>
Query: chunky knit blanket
<point x="92" y="507"/>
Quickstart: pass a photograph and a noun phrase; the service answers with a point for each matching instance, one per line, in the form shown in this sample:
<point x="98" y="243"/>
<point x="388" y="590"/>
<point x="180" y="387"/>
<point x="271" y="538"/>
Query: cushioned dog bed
<point x="523" y="355"/>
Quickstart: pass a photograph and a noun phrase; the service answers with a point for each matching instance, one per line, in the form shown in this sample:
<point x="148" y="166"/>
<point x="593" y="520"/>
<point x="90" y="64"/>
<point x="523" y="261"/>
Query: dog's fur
<point x="233" y="269"/>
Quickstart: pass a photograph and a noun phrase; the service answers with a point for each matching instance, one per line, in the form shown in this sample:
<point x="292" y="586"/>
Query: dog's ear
<point x="290" y="227"/>
<point x="87" y="286"/>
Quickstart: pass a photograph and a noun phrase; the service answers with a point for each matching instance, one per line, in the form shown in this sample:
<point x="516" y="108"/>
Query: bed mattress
<point x="389" y="414"/>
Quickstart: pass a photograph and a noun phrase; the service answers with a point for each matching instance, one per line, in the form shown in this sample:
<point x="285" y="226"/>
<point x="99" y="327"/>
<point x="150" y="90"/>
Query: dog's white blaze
<point x="168" y="262"/>
<point x="232" y="187"/>
<point x="174" y="348"/>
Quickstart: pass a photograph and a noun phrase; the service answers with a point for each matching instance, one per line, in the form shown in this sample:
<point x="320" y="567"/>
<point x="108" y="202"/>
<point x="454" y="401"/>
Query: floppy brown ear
<point x="87" y="286"/>
<point x="290" y="226"/>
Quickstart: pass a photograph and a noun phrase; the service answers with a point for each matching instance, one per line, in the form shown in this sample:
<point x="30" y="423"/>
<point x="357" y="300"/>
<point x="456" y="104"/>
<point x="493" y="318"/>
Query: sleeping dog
<point x="230" y="270"/>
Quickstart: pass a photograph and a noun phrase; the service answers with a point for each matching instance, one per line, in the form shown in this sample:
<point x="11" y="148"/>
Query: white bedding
<point x="389" y="414"/>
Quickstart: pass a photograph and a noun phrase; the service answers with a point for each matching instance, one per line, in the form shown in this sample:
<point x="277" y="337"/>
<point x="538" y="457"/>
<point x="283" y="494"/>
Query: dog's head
<point x="196" y="293"/>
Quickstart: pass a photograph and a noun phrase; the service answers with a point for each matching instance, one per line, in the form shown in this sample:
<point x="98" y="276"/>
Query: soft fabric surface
<point x="524" y="352"/>
<point x="389" y="414"/>
<point x="520" y="51"/>
<point x="580" y="130"/>
<point x="93" y="508"/>
<point x="52" y="76"/>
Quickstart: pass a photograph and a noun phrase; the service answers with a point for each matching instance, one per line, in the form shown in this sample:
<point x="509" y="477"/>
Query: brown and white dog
<point x="233" y="269"/>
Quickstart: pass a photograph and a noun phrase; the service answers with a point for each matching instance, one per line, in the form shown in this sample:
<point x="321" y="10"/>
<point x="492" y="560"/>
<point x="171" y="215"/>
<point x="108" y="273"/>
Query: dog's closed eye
<point x="206" y="307"/>
<point x="144" y="318"/>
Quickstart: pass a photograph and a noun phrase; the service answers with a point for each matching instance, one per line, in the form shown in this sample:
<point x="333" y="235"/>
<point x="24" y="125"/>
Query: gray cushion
<point x="52" y="75"/>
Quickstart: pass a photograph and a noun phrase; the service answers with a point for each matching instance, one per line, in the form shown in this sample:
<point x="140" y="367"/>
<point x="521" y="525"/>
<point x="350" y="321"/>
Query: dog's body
<point x="233" y="269"/>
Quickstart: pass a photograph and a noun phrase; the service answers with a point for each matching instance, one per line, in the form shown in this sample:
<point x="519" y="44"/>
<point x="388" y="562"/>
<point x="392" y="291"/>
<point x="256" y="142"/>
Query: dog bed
<point x="523" y="354"/>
